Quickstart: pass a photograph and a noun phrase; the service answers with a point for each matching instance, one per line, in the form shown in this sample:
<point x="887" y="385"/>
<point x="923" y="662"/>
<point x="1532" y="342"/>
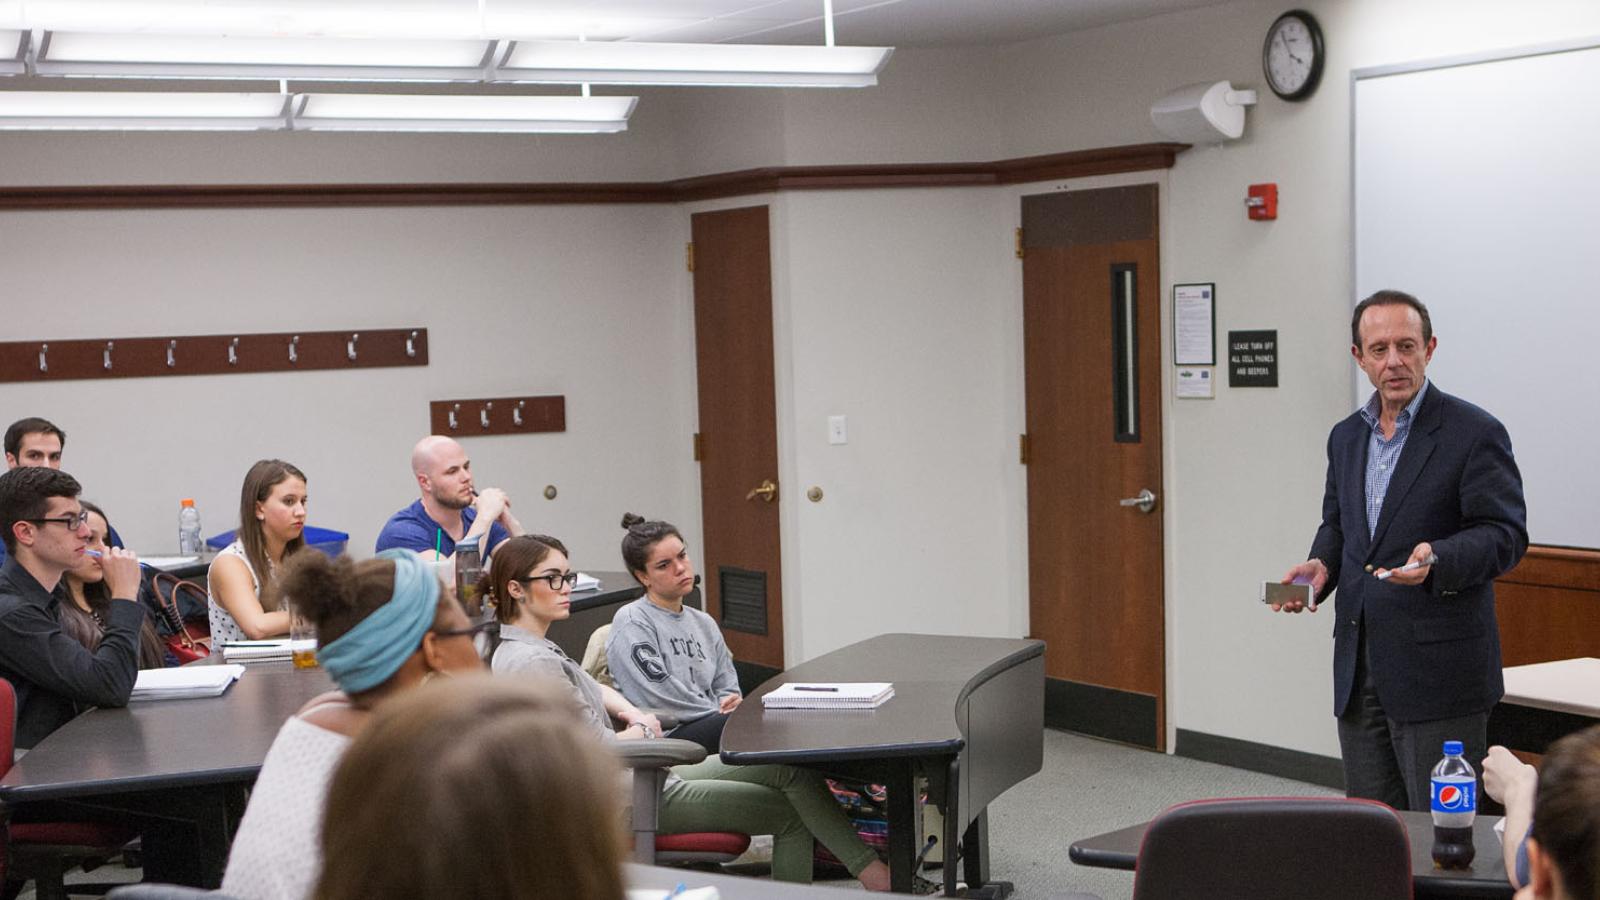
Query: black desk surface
<point x="931" y="675"/>
<point x="166" y="743"/>
<point x="615" y="587"/>
<point x="1486" y="877"/>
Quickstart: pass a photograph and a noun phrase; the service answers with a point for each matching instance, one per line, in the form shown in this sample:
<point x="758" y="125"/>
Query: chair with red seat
<point x="43" y="851"/>
<point x="1275" y="848"/>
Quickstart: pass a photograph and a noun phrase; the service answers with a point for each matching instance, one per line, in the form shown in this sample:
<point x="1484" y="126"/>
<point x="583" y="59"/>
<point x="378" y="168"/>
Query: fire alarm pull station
<point x="1262" y="201"/>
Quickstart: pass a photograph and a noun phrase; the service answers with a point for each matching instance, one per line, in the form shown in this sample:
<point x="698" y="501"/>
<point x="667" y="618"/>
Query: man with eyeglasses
<point x="47" y="532"/>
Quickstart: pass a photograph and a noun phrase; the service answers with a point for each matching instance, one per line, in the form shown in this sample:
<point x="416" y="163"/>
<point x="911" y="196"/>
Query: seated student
<point x="472" y="787"/>
<point x="531" y="583"/>
<point x="47" y="531"/>
<point x="665" y="655"/>
<point x="1512" y="782"/>
<point x="385" y="626"/>
<point x="87" y="605"/>
<point x="1564" y="846"/>
<point x="272" y="522"/>
<point x="450" y="510"/>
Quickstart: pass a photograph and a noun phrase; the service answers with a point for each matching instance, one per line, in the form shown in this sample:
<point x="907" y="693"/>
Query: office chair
<point x="42" y="852"/>
<point x="1275" y="848"/>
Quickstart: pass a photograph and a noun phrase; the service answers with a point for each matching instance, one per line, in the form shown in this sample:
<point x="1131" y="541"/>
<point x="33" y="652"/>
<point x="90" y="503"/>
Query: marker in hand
<point x="1429" y="560"/>
<point x="94" y="553"/>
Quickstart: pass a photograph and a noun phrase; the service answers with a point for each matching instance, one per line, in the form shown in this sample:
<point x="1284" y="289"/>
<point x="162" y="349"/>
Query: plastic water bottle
<point x="1455" y="804"/>
<point x="188" y="528"/>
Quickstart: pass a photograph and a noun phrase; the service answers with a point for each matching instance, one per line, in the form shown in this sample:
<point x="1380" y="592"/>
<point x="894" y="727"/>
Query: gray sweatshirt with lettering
<point x="671" y="661"/>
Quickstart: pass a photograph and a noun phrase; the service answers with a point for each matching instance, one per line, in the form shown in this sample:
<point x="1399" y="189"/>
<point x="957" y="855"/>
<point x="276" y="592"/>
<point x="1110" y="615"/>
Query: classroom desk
<point x="1486" y="878"/>
<point x="1545" y="702"/>
<point x="967" y="714"/>
<point x="196" y="756"/>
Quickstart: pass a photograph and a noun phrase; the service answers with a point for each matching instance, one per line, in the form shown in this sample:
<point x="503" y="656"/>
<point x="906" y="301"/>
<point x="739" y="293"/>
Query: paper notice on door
<point x="1194" y="325"/>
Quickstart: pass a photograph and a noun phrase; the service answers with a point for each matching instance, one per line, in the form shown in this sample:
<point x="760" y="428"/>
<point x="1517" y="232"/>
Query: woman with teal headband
<point x="385" y="625"/>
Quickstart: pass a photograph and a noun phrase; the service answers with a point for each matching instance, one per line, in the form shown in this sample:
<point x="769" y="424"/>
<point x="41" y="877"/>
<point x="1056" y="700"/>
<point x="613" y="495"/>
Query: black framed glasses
<point x="72" y="522"/>
<point x="471" y="631"/>
<point x="554" y="579"/>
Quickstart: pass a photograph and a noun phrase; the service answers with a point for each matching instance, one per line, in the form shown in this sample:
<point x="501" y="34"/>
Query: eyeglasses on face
<point x="469" y="631"/>
<point x="554" y="579"/>
<point x="72" y="522"/>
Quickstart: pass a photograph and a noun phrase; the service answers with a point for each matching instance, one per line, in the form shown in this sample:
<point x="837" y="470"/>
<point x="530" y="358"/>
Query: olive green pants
<point x="791" y="804"/>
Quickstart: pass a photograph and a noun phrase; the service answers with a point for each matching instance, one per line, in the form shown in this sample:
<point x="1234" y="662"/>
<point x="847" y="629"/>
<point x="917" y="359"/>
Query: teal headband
<point x="366" y="655"/>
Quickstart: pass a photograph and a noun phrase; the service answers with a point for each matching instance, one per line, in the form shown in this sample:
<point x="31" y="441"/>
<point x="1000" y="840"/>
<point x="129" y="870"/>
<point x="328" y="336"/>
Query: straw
<point x="438" y="541"/>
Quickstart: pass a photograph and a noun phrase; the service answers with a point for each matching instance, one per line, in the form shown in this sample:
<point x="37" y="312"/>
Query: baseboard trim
<point x="1101" y="712"/>
<point x="1327" y="771"/>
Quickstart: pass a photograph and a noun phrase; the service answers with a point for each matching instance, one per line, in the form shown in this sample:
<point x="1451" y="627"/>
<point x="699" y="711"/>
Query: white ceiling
<point x="894" y="23"/>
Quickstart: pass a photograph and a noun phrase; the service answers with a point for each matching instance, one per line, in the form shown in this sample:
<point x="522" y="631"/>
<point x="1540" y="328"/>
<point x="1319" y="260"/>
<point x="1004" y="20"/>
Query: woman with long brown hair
<point x="244" y="604"/>
<point x="82" y="615"/>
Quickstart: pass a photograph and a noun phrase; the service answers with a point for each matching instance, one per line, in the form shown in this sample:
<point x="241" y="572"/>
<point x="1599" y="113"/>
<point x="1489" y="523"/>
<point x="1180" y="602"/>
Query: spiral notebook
<point x="828" y="695"/>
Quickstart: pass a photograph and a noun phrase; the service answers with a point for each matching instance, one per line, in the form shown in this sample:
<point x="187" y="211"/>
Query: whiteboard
<point x="1477" y="188"/>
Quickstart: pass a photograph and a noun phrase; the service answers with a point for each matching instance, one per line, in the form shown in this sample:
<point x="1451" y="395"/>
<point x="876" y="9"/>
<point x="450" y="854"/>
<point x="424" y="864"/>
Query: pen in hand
<point x="1429" y="560"/>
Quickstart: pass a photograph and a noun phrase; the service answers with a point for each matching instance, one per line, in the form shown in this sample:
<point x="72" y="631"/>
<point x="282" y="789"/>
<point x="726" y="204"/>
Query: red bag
<point x="188" y="641"/>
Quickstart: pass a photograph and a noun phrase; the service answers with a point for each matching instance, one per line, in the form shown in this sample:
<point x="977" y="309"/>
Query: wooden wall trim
<point x="1075" y="164"/>
<point x="1558" y="567"/>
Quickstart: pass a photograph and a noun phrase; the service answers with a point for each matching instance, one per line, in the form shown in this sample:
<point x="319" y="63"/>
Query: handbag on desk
<point x="187" y="638"/>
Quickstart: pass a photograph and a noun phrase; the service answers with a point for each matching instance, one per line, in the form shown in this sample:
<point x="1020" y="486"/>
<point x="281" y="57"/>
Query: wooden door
<point x="738" y="444"/>
<point x="1091" y="309"/>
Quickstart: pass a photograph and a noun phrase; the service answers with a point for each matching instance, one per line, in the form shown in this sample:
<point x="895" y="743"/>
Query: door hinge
<point x="1024" y="449"/>
<point x="699" y="443"/>
<point x="1020" y="251"/>
<point x="688" y="255"/>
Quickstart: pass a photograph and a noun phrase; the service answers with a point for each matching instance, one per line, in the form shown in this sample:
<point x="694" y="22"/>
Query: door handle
<point x="766" y="491"/>
<point x="1146" y="501"/>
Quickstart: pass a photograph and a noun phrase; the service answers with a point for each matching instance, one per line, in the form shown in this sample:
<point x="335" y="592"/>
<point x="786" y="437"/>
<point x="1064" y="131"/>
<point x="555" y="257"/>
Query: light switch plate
<point x="836" y="430"/>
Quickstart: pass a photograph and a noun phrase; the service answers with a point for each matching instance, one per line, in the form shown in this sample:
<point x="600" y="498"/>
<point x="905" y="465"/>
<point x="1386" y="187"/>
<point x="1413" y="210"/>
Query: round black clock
<point x="1292" y="57"/>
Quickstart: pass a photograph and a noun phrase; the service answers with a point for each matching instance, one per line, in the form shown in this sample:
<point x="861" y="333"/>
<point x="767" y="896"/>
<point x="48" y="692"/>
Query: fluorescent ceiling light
<point x="520" y="115"/>
<point x="640" y="62"/>
<point x="199" y="56"/>
<point x="131" y="111"/>
<point x="11" y="53"/>
<point x="214" y="111"/>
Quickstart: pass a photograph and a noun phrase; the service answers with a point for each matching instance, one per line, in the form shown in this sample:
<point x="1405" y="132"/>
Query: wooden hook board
<point x="498" y="415"/>
<point x="211" y="354"/>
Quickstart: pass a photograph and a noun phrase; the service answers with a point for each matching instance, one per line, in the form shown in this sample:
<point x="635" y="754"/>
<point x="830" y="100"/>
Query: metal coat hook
<point x="454" y="423"/>
<point x="44" y="357"/>
<point x="294" y="352"/>
<point x="483" y="414"/>
<point x="233" y="352"/>
<point x="350" y="346"/>
<point x="411" y="344"/>
<point x="172" y="354"/>
<point x="105" y="358"/>
<point x="516" y="414"/>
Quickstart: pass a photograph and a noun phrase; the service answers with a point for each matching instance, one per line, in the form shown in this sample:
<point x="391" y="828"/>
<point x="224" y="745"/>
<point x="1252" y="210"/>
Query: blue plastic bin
<point x="325" y="539"/>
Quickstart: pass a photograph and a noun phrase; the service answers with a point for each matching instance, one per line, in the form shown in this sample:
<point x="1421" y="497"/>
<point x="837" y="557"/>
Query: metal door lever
<point x="1146" y="501"/>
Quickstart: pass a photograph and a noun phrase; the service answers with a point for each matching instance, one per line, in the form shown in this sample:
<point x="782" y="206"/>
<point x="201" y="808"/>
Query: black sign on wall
<point x="1253" y="358"/>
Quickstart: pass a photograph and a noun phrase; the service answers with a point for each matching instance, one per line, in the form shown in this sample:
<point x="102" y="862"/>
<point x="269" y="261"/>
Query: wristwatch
<point x="649" y="732"/>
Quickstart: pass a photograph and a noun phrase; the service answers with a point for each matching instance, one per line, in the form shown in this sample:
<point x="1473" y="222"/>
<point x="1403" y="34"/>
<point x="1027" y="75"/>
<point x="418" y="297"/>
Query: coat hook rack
<point x="529" y="415"/>
<point x="217" y="354"/>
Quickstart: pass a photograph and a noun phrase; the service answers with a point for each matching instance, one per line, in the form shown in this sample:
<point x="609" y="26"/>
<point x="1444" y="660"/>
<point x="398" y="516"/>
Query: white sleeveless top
<point x="223" y="627"/>
<point x="277" y="854"/>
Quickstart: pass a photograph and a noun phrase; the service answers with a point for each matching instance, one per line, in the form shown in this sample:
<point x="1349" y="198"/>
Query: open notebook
<point x="828" y="695"/>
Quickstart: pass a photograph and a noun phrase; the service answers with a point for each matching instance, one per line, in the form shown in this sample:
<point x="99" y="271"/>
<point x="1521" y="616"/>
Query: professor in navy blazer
<point x="1417" y="477"/>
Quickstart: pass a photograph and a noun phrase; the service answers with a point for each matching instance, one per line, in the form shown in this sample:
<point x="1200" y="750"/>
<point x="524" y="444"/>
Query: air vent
<point x="744" y="599"/>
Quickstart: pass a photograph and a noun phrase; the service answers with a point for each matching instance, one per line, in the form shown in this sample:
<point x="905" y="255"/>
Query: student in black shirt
<point x="46" y="532"/>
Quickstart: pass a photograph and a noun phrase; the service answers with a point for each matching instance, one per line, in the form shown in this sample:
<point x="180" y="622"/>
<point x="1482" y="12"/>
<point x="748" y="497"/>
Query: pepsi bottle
<point x="1455" y="805"/>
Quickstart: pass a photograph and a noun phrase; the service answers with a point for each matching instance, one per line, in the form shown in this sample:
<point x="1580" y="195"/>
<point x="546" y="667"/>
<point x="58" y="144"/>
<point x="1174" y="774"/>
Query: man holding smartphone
<point x="1423" y="510"/>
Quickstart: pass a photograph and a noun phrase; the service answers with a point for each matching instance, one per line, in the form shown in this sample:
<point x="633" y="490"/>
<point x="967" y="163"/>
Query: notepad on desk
<point x="586" y="582"/>
<point x="185" y="682"/>
<point x="828" y="695"/>
<point x="257" y="651"/>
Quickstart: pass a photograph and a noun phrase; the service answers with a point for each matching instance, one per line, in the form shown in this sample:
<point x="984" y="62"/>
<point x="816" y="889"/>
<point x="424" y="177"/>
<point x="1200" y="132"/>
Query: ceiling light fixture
<point x="217" y="111"/>
<point x="12" y="61"/>
<point x="642" y="62"/>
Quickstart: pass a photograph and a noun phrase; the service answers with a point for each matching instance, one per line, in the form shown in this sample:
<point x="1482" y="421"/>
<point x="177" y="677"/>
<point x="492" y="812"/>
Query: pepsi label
<point x="1455" y="796"/>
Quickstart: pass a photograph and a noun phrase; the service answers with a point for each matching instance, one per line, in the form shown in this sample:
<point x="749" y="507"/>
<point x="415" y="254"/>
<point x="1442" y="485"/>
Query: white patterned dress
<point x="223" y="627"/>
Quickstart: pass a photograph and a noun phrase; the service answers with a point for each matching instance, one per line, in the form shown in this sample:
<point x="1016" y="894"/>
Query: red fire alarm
<point x="1262" y="201"/>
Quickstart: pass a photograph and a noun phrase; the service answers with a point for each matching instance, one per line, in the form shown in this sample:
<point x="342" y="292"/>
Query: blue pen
<point x="677" y="890"/>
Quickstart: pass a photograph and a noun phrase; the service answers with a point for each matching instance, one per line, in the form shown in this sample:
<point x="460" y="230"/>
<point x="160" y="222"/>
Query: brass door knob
<point x="767" y="491"/>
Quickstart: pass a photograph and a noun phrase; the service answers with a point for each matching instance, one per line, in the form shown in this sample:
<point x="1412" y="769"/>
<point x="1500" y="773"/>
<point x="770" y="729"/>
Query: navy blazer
<point x="1434" y="648"/>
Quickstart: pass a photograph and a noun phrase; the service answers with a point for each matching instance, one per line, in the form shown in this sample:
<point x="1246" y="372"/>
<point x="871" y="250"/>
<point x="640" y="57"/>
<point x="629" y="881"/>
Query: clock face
<point x="1291" y="59"/>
